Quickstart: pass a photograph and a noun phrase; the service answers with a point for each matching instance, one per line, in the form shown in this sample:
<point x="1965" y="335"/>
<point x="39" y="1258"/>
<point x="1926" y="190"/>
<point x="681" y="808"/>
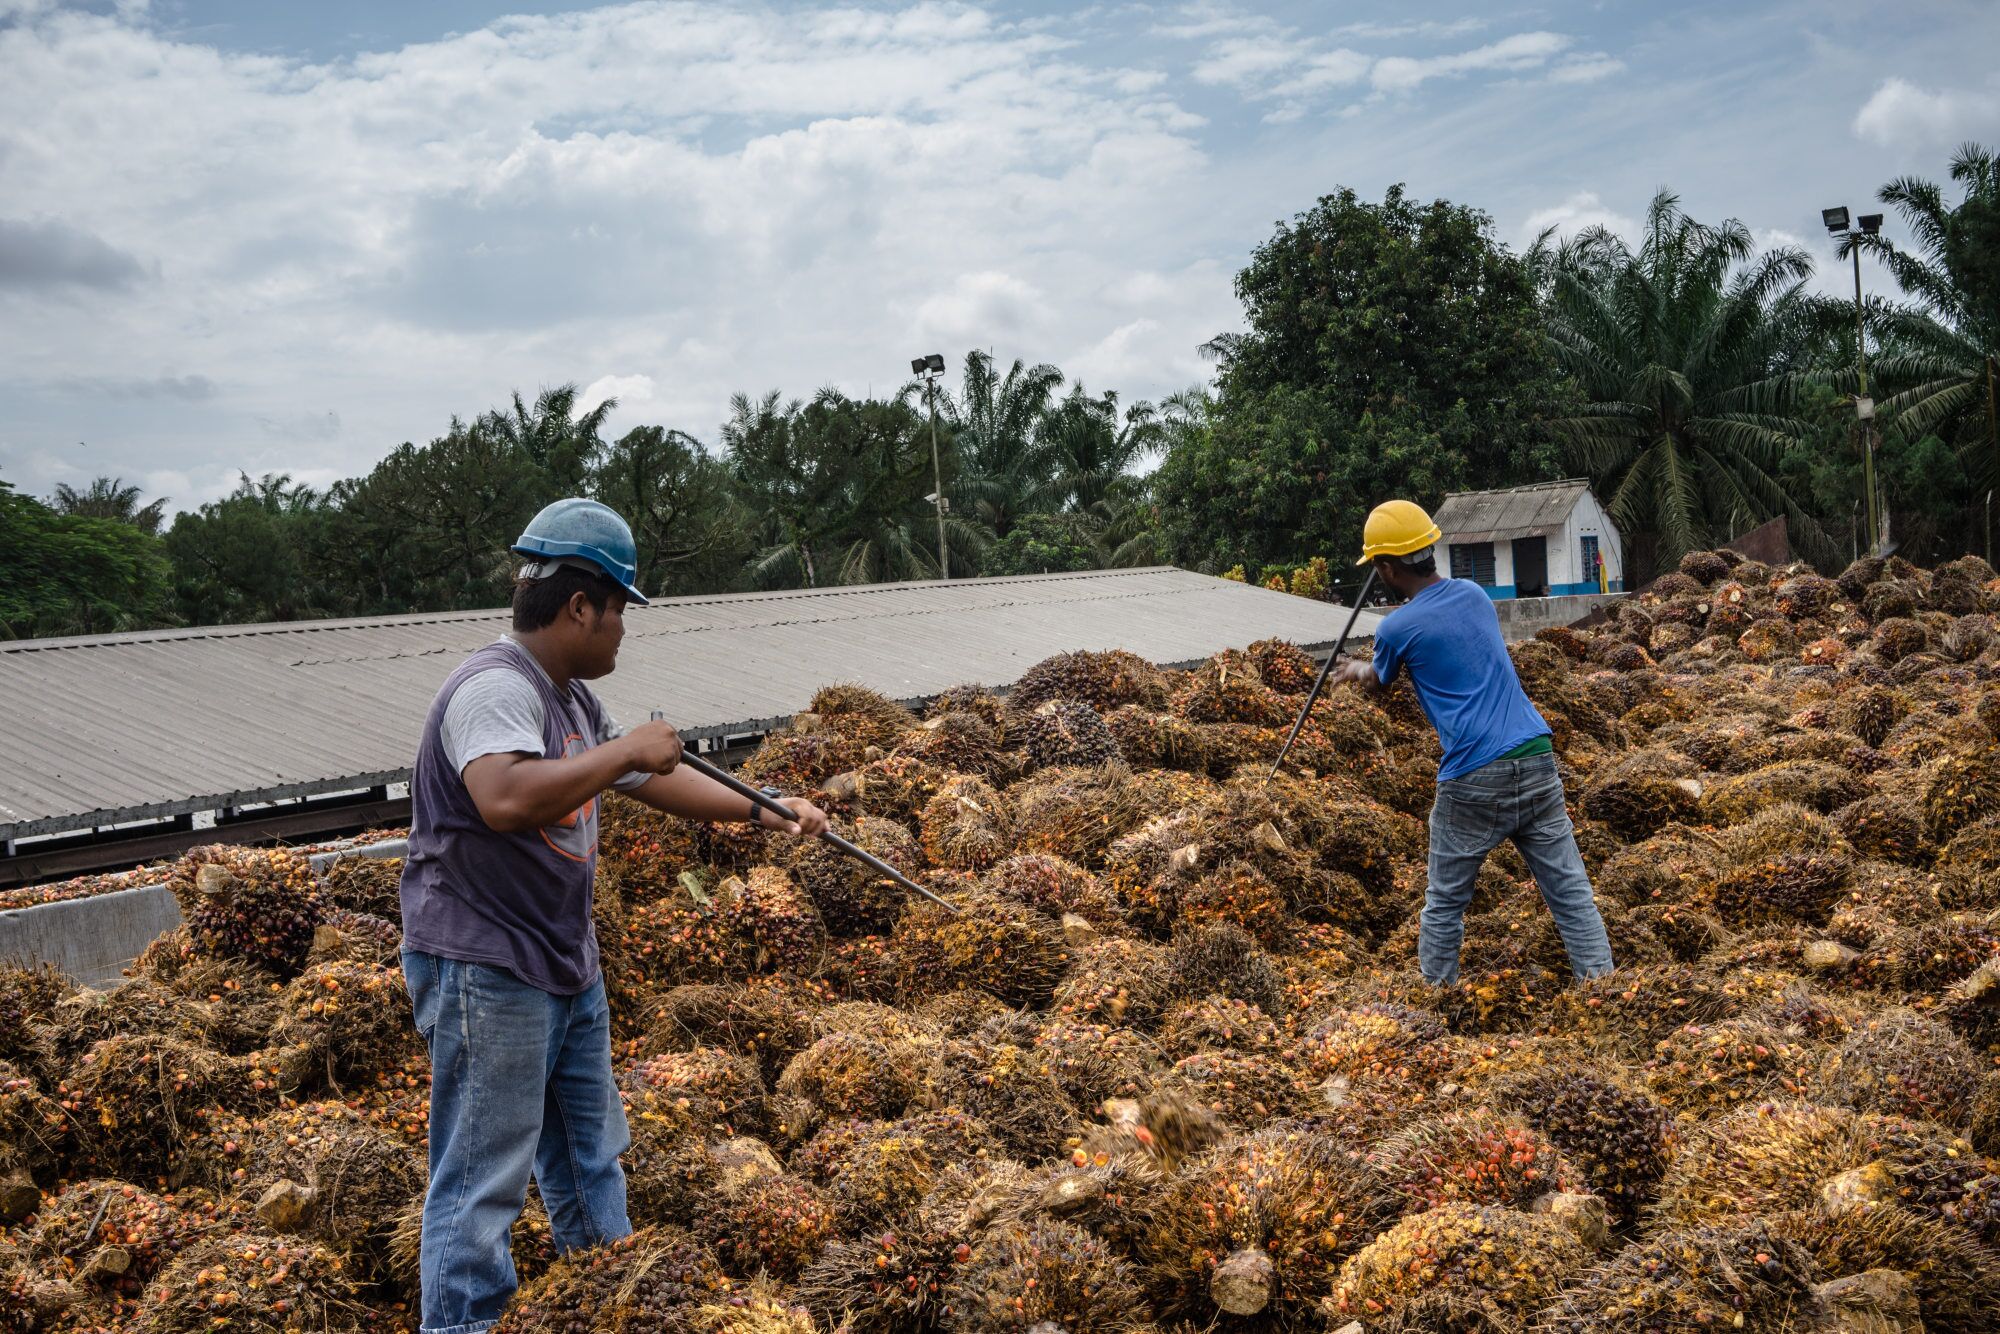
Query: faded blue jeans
<point x="520" y="1082"/>
<point x="1522" y="800"/>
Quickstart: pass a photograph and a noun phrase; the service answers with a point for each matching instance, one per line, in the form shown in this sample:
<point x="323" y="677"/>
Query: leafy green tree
<point x="1393" y="349"/>
<point x="1089" y="448"/>
<point x="428" y="528"/>
<point x="1044" y="544"/>
<point x="1939" y="360"/>
<point x="693" y="534"/>
<point x="1002" y="458"/>
<point x="253" y="555"/>
<point x="1692" y="353"/>
<point x="75" y="574"/>
<point x="838" y="486"/>
<point x="110" y="498"/>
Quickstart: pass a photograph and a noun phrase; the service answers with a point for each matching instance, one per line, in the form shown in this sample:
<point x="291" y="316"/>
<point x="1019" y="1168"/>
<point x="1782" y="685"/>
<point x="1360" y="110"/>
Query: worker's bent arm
<point x="696" y="796"/>
<point x="515" y="791"/>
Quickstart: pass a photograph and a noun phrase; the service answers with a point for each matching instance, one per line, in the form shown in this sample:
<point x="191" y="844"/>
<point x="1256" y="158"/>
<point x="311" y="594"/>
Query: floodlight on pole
<point x="928" y="368"/>
<point x="1840" y="223"/>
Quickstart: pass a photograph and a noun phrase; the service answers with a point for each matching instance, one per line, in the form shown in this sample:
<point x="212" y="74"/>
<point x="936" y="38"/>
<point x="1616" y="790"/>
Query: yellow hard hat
<point x="1396" y="528"/>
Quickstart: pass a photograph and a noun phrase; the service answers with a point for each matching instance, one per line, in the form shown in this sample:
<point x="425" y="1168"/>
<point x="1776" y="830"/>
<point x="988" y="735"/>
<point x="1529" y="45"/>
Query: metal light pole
<point x="1868" y="224"/>
<point x="930" y="367"/>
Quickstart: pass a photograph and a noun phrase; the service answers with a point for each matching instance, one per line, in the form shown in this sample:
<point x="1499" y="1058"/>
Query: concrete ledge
<point x="1520" y="618"/>
<point x="93" y="939"/>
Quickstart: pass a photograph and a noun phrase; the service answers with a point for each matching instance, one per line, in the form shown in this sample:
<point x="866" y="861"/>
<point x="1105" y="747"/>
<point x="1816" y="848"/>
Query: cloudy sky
<point x="245" y="234"/>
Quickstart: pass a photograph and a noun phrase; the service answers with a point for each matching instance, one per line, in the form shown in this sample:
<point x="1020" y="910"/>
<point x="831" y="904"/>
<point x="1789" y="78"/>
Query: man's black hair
<point x="1423" y="564"/>
<point x="537" y="602"/>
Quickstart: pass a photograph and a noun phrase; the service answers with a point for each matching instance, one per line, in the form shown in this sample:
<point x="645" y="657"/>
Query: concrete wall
<point x="93" y="939"/>
<point x="1521" y="617"/>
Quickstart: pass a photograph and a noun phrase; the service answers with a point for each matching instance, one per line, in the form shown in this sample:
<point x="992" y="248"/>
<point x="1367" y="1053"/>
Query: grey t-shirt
<point x="498" y="712"/>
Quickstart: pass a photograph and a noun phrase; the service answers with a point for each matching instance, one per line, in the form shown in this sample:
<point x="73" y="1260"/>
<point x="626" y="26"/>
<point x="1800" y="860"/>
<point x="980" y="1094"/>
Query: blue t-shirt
<point x="1448" y="636"/>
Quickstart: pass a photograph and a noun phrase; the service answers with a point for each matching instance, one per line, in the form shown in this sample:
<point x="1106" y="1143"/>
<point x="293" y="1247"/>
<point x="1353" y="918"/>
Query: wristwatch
<point x="757" y="811"/>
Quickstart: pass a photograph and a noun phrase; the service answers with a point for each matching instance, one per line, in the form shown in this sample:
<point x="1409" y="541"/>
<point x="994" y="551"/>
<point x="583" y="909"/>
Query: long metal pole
<point x="1862" y="424"/>
<point x="937" y="478"/>
<point x="1319" y="682"/>
<point x="743" y="789"/>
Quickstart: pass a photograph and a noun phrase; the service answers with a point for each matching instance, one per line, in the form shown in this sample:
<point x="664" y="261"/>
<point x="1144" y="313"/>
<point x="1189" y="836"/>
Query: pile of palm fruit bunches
<point x="1170" y="1064"/>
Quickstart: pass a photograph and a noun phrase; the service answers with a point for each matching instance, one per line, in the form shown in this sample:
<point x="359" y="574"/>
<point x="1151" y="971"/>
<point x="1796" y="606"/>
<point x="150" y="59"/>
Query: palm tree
<point x="563" y="445"/>
<point x="1692" y="354"/>
<point x="1940" y="357"/>
<point x="110" y="498"/>
<point x="1004" y="469"/>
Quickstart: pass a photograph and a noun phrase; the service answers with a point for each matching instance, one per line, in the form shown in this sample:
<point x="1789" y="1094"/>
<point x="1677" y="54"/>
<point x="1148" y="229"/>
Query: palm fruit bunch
<point x="893" y="1281"/>
<point x="340" y="1024"/>
<point x="257" y="904"/>
<point x="767" y="1018"/>
<point x="1898" y="637"/>
<point x="869" y="715"/>
<point x="1053" y="887"/>
<point x="988" y="944"/>
<point x="775" y="1225"/>
<point x="1157" y="740"/>
<point x="681" y="937"/>
<point x="1221" y="959"/>
<point x="1100" y="680"/>
<point x="136" y="1098"/>
<point x="1023" y="1276"/>
<point x="1060" y="732"/>
<point x="34" y="1131"/>
<point x="1283" y="666"/>
<point x="1870" y="713"/>
<point x="854" y="1074"/>
<point x="1785" y="887"/>
<point x="973" y="699"/>
<point x="1013" y="1087"/>
<point x="1378" y="1053"/>
<point x="1814" y="784"/>
<point x="720" y="1088"/>
<point x="142" y="1231"/>
<point x="851" y="896"/>
<point x="1075" y="813"/>
<point x="1747" y="1277"/>
<point x="1956" y="1281"/>
<point x="1904" y="1063"/>
<point x="1962" y="790"/>
<point x="1236" y="893"/>
<point x="1258" y="1225"/>
<point x="1617" y="1138"/>
<point x="647" y="1283"/>
<point x="1885" y="825"/>
<point x="956" y="741"/>
<point x="249" y="1281"/>
<point x="1217" y="1023"/>
<point x="1641" y="793"/>
<point x="967" y="826"/>
<point x="1228" y="688"/>
<point x="1760" y="1159"/>
<point x="749" y="1313"/>
<point x="1475" y="1155"/>
<point x="371" y="885"/>
<point x="28" y="1001"/>
<point x="318" y="1169"/>
<point x="1245" y="1089"/>
<point x="1117" y="981"/>
<point x="1460" y="1266"/>
<point x="1927" y="956"/>
<point x="1701" y="1069"/>
<point x="640" y="851"/>
<point x="803" y="756"/>
<point x="769" y="907"/>
<point x="1768" y="639"/>
<point x="895" y="787"/>
<point x="358" y="937"/>
<point x="1093" y="1062"/>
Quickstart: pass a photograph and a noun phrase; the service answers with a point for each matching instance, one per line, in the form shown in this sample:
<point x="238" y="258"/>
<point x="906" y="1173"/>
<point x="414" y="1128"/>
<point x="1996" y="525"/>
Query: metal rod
<point x="743" y="789"/>
<point x="937" y="479"/>
<point x="1319" y="682"/>
<point x="1862" y="424"/>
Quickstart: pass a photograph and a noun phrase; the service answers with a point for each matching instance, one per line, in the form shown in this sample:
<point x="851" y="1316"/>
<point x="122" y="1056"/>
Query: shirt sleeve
<point x="609" y="730"/>
<point x="1388" y="653"/>
<point x="494" y="712"/>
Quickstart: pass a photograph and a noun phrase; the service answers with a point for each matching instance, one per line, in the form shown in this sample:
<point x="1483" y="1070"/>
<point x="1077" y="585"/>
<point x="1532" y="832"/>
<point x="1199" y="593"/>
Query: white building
<point x="1531" y="541"/>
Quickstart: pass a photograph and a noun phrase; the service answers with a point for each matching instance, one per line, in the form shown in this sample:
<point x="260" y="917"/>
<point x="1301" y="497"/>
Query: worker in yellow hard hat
<point x="1497" y="777"/>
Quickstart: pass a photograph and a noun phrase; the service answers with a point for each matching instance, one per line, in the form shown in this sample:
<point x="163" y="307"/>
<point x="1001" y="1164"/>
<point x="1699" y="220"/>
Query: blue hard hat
<point x="585" y="530"/>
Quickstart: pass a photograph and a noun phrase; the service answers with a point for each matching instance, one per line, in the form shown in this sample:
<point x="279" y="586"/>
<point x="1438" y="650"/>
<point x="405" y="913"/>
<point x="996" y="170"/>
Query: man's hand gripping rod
<point x="1360" y="600"/>
<point x="743" y="789"/>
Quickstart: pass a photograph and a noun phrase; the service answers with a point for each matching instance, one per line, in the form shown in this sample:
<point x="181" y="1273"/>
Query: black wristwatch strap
<point x="757" y="810"/>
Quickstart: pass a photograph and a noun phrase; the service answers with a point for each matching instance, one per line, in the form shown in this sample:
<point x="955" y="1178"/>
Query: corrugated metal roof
<point x="131" y="726"/>
<point x="1486" y="516"/>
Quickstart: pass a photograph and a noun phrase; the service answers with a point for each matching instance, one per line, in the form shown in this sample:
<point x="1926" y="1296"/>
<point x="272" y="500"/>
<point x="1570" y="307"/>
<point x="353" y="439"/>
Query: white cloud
<point x="1580" y="212"/>
<point x="1586" y="68"/>
<point x="1522" y="51"/>
<point x="631" y="391"/>
<point x="1900" y="113"/>
<point x="978" y="305"/>
<point x="1241" y="61"/>
<point x="1371" y="32"/>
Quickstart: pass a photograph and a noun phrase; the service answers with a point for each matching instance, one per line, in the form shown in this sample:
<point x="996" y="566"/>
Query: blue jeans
<point x="1522" y="800"/>
<point x="520" y="1082"/>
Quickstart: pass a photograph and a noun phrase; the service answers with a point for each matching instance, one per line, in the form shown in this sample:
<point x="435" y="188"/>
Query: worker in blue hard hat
<point x="498" y="948"/>
<point x="1497" y="776"/>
